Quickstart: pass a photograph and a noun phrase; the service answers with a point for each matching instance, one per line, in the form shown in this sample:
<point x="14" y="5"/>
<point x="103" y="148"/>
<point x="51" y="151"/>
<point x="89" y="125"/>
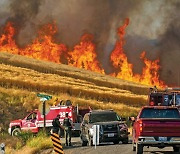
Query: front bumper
<point x="159" y="141"/>
<point x="9" y="131"/>
<point x="117" y="136"/>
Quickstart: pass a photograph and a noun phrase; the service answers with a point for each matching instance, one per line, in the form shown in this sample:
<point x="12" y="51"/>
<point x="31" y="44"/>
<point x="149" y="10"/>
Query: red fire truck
<point x="166" y="97"/>
<point x="35" y="120"/>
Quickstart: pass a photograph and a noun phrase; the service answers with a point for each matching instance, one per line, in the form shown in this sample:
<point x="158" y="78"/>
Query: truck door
<point x="29" y="123"/>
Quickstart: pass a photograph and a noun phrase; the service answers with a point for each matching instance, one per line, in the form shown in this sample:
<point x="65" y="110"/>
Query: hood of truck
<point x="109" y="123"/>
<point x="15" y="122"/>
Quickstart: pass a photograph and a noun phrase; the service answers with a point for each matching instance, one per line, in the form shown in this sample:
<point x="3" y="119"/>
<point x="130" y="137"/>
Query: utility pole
<point x="44" y="114"/>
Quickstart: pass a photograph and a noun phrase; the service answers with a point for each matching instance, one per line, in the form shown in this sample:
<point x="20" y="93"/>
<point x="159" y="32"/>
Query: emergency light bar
<point x="175" y="89"/>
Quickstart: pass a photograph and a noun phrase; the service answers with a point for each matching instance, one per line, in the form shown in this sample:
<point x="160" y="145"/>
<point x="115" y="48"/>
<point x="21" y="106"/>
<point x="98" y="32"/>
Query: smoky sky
<point x="154" y="27"/>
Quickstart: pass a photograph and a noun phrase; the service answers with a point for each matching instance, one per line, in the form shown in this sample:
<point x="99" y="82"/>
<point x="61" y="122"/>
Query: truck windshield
<point x="159" y="113"/>
<point x="104" y="117"/>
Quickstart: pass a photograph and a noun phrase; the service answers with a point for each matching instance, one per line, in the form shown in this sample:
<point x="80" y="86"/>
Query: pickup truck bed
<point x="157" y="126"/>
<point x="161" y="127"/>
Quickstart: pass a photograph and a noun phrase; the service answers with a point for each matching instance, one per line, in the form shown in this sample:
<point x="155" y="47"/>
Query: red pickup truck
<point x="157" y="126"/>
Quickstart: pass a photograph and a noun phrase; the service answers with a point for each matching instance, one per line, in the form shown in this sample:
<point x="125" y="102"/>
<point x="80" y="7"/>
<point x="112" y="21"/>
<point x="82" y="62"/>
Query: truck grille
<point x="110" y="128"/>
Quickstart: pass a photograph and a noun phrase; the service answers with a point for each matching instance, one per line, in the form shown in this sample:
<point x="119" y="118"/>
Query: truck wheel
<point x="176" y="149"/>
<point x="84" y="143"/>
<point x="139" y="149"/>
<point x="125" y="141"/>
<point x="16" y="132"/>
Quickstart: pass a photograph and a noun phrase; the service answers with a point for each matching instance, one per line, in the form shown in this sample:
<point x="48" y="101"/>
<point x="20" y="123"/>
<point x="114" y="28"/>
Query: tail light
<point x="151" y="103"/>
<point x="140" y="126"/>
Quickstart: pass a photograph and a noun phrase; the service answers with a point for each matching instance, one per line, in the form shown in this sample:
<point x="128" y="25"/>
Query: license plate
<point x="111" y="135"/>
<point x="162" y="138"/>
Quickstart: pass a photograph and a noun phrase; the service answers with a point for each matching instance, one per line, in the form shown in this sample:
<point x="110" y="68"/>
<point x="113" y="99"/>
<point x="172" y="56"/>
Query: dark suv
<point x="112" y="128"/>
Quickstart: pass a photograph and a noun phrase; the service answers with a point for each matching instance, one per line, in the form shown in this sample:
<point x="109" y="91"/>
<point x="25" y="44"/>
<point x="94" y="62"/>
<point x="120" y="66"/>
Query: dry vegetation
<point x="22" y="78"/>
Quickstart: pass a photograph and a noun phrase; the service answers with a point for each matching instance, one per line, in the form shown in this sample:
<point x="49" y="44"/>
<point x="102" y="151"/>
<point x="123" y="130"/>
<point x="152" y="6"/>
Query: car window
<point x="103" y="117"/>
<point x="32" y="116"/>
<point x="159" y="113"/>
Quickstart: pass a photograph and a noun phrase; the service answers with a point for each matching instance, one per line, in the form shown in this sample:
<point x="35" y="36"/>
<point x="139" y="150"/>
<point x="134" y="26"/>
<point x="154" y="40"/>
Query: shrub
<point x="25" y="136"/>
<point x="39" y="142"/>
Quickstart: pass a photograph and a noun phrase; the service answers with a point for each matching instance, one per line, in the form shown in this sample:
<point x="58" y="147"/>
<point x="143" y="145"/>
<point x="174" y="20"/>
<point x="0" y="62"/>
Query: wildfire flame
<point x="119" y="60"/>
<point x="150" y="74"/>
<point x="83" y="54"/>
<point x="7" y="42"/>
<point x="44" y="47"/>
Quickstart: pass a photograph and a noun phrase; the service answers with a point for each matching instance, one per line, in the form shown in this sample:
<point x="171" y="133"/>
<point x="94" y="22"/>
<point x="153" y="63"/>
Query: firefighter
<point x="67" y="123"/>
<point x="56" y="125"/>
<point x="56" y="102"/>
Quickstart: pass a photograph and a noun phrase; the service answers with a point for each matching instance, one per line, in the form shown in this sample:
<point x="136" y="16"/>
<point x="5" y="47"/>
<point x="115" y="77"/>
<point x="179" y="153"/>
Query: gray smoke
<point x="170" y="49"/>
<point x="154" y="27"/>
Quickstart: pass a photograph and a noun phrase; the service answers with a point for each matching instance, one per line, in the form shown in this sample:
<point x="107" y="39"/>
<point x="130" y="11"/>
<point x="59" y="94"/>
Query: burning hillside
<point x="83" y="54"/>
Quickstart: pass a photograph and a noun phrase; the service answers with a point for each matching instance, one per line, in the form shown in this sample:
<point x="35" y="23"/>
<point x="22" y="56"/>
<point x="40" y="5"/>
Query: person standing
<point x="67" y="123"/>
<point x="56" y="125"/>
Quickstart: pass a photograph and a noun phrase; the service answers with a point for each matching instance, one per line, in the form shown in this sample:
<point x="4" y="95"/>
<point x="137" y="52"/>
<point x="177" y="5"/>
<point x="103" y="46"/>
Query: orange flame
<point x="44" y="47"/>
<point x="118" y="57"/>
<point x="119" y="60"/>
<point x="84" y="55"/>
<point x="150" y="72"/>
<point x="7" y="42"/>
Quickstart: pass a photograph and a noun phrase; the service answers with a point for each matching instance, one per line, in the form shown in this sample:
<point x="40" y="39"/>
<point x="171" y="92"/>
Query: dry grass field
<point x="21" y="78"/>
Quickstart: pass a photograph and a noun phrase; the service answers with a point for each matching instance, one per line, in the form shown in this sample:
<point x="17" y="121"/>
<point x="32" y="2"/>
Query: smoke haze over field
<point x="154" y="27"/>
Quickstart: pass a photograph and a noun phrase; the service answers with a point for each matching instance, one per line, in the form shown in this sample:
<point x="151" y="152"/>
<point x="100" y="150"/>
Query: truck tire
<point x="84" y="143"/>
<point x="176" y="149"/>
<point x="16" y="131"/>
<point x="139" y="149"/>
